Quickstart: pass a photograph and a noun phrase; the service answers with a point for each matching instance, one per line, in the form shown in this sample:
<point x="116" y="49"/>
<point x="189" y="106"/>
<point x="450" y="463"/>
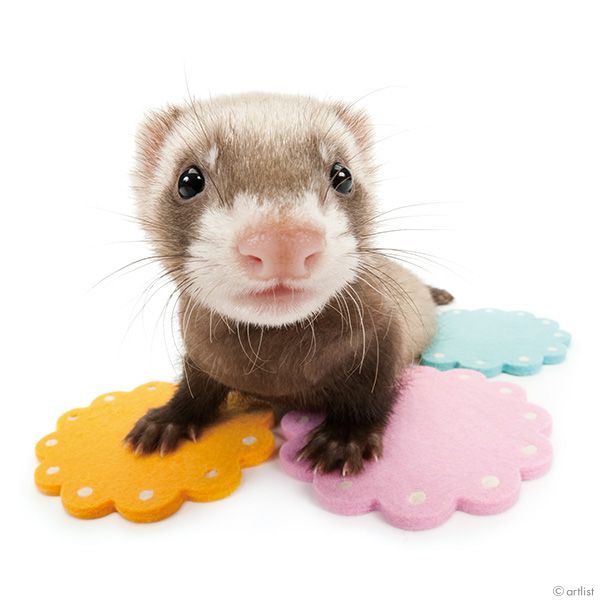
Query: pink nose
<point x="286" y="252"/>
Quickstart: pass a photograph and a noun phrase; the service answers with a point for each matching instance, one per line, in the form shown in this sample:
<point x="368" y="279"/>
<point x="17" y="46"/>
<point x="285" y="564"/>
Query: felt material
<point x="86" y="462"/>
<point x="492" y="341"/>
<point x="456" y="441"/>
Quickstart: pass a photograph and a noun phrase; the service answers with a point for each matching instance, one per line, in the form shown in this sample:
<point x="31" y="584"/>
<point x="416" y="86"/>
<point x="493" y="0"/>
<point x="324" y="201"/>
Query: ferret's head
<point x="257" y="203"/>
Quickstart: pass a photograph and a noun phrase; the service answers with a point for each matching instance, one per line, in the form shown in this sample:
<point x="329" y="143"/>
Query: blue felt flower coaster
<point x="493" y="341"/>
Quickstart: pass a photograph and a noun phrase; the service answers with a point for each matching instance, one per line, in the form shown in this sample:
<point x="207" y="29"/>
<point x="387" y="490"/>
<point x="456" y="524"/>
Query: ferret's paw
<point x="157" y="432"/>
<point x="332" y="447"/>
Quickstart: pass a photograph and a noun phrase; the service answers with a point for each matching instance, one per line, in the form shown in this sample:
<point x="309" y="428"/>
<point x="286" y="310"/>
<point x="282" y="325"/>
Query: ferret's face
<point x="258" y="203"/>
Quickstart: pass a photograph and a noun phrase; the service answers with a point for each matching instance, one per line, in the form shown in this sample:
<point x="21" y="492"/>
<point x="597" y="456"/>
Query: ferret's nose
<point x="286" y="252"/>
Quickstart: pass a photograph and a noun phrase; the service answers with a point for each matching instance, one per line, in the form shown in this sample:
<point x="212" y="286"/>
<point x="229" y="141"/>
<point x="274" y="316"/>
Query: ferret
<point x="261" y="208"/>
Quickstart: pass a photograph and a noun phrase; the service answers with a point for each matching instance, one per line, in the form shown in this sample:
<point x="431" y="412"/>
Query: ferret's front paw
<point x="156" y="431"/>
<point x="332" y="447"/>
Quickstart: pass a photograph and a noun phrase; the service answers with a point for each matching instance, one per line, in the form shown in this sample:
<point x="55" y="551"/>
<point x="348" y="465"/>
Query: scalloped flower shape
<point x="86" y="462"/>
<point x="456" y="441"/>
<point x="493" y="341"/>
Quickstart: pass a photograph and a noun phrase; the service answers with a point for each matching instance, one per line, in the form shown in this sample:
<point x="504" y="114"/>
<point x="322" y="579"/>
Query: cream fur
<point x="221" y="280"/>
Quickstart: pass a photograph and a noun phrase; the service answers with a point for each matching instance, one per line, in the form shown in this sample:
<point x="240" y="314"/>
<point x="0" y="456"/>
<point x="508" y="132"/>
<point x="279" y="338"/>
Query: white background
<point x="495" y="109"/>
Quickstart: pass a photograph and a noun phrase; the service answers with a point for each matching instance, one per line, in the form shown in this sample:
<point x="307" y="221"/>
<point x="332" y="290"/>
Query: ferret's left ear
<point x="151" y="136"/>
<point x="358" y="122"/>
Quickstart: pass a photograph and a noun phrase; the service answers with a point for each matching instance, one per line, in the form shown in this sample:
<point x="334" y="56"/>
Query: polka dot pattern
<point x="145" y="495"/>
<point x="456" y="441"/>
<point x="490" y="482"/>
<point x="417" y="498"/>
<point x="493" y="341"/>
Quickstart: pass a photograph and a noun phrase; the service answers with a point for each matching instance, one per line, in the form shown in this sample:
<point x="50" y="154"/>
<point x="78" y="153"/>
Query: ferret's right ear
<point x="151" y="136"/>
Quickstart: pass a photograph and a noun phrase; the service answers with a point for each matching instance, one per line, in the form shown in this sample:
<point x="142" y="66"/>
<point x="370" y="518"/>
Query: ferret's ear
<point x="358" y="122"/>
<point x="151" y="136"/>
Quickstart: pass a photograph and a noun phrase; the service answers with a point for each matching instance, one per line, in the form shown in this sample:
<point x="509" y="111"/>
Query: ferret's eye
<point x="341" y="179"/>
<point x="191" y="183"/>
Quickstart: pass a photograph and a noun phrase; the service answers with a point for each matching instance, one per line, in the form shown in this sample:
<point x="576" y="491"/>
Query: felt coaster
<point x="456" y="441"/>
<point x="492" y="341"/>
<point x="86" y="462"/>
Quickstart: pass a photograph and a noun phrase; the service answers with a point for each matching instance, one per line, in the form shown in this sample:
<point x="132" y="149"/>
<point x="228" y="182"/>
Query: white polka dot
<point x="249" y="440"/>
<point x="72" y="418"/>
<point x="529" y="450"/>
<point x="146" y="494"/>
<point x="439" y="355"/>
<point x="558" y="334"/>
<point x="505" y="390"/>
<point x="109" y="398"/>
<point x="151" y="388"/>
<point x="480" y="362"/>
<point x="552" y="349"/>
<point x="417" y="498"/>
<point x="84" y="492"/>
<point x="464" y="376"/>
<point x="344" y="485"/>
<point x="212" y="473"/>
<point x="530" y="416"/>
<point x="490" y="481"/>
<point x="524" y="359"/>
<point x="51" y="442"/>
<point x="52" y="470"/>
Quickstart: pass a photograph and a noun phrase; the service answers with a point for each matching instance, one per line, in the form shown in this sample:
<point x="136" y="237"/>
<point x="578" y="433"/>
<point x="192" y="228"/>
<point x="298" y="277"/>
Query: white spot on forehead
<point x="325" y="152"/>
<point x="211" y="156"/>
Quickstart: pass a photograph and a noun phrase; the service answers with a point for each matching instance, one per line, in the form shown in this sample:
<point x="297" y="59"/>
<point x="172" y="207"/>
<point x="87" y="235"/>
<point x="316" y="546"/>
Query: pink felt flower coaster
<point x="456" y="441"/>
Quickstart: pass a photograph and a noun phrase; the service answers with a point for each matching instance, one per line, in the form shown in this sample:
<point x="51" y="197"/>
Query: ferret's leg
<point x="356" y="415"/>
<point x="194" y="405"/>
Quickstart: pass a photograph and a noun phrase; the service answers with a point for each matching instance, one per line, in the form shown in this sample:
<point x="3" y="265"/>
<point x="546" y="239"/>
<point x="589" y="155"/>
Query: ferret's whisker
<point x="393" y="253"/>
<point x="141" y="262"/>
<point x="375" y="233"/>
<point x="359" y="314"/>
<point x="405" y="207"/>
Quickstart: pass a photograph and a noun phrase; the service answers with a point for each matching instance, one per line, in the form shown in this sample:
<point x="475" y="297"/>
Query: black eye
<point x="191" y="183"/>
<point x="341" y="179"/>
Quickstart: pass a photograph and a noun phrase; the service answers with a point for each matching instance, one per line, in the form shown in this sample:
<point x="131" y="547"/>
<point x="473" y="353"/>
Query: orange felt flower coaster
<point x="86" y="462"/>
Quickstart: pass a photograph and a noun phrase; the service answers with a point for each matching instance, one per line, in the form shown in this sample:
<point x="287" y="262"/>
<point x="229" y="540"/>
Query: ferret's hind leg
<point x="441" y="297"/>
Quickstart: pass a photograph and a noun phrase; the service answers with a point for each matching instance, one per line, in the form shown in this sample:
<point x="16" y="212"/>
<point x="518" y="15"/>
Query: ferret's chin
<point x="275" y="307"/>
